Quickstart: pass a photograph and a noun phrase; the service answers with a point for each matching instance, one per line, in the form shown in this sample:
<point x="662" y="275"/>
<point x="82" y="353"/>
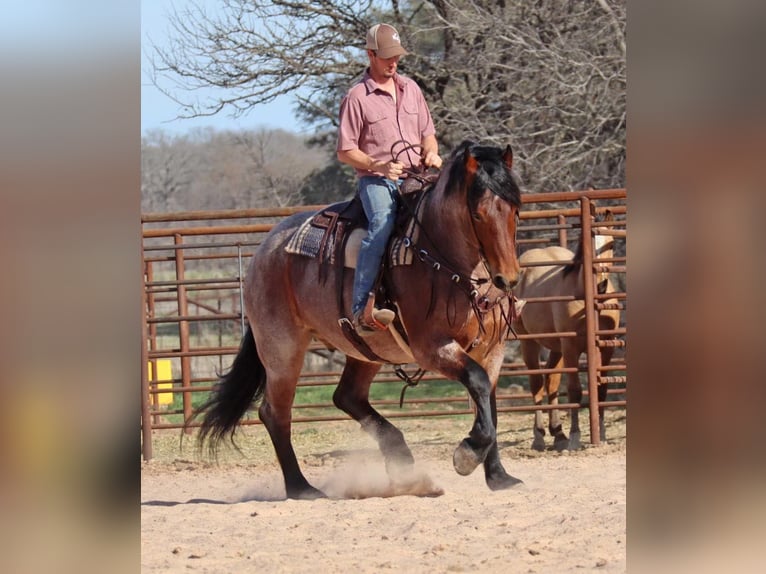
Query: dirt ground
<point x="568" y="516"/>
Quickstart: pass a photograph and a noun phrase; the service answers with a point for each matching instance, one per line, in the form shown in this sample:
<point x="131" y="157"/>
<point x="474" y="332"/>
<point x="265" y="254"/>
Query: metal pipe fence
<point x="194" y="265"/>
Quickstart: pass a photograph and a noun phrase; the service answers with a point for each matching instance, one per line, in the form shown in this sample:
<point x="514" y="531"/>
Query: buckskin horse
<point x="558" y="279"/>
<point x="454" y="307"/>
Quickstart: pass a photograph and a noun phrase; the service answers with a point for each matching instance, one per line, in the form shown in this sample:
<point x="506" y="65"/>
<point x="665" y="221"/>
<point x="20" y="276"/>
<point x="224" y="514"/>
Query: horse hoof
<point x="538" y="444"/>
<point x="503" y="482"/>
<point x="574" y="441"/>
<point x="561" y="443"/>
<point x="465" y="459"/>
<point x="309" y="493"/>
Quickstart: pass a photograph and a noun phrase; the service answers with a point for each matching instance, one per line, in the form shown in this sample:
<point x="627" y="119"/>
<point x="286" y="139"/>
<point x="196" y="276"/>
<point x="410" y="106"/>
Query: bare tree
<point x="547" y="76"/>
<point x="166" y="171"/>
<point x="209" y="169"/>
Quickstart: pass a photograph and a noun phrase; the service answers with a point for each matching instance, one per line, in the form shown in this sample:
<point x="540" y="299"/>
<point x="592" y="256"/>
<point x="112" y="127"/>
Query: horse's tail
<point x="232" y="396"/>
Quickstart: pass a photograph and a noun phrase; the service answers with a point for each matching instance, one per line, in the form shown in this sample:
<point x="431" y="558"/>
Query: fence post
<point x="591" y="318"/>
<point x="183" y="328"/>
<point x="146" y="419"/>
<point x="241" y="281"/>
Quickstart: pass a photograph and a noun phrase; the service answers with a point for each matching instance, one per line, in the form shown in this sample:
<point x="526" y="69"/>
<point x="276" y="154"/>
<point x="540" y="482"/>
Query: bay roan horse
<point x="453" y="302"/>
<point x="561" y="280"/>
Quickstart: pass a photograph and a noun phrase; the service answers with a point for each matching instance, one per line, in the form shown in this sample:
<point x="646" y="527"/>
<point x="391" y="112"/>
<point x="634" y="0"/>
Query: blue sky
<point x="159" y="111"/>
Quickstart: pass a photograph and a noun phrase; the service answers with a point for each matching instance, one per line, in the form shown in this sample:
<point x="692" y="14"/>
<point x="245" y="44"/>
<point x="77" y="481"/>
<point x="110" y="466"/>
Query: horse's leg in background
<point x="606" y="358"/>
<point x="283" y="359"/>
<point x="530" y="352"/>
<point x="574" y="389"/>
<point x="352" y="396"/>
<point x="552" y="384"/>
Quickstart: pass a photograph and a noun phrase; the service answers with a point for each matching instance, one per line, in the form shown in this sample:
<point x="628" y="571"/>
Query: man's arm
<point x="357" y="159"/>
<point x="430" y="153"/>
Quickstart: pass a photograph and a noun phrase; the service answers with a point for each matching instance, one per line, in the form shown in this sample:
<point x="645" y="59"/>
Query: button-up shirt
<point x="372" y="122"/>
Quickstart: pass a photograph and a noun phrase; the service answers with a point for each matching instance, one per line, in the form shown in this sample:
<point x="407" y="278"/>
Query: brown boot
<point x="371" y="319"/>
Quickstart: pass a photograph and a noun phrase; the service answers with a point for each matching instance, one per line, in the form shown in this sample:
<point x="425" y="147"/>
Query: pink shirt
<point x="371" y="122"/>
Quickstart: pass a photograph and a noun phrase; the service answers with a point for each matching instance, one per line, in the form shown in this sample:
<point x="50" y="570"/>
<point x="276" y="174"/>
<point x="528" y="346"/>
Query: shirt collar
<point x="372" y="85"/>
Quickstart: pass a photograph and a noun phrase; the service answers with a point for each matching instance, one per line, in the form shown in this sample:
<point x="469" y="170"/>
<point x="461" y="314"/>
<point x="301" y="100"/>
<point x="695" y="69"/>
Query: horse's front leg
<point x="454" y="363"/>
<point x="530" y="351"/>
<point x="552" y="383"/>
<point x="494" y="472"/>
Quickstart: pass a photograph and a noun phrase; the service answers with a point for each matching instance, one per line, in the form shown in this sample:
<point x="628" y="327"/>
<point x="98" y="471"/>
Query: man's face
<point x="385" y="67"/>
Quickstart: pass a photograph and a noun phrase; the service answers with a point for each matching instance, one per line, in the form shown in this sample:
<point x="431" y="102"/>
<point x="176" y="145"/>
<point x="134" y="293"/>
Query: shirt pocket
<point x="409" y="121"/>
<point x="410" y="108"/>
<point x="377" y="123"/>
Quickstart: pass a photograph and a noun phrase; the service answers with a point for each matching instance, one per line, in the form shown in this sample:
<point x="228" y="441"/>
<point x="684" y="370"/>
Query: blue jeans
<point x="378" y="196"/>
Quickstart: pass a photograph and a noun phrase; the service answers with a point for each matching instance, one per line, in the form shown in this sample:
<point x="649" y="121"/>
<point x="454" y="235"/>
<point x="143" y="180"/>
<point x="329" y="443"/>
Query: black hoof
<point x="561" y="443"/>
<point x="503" y="482"/>
<point x="309" y="493"/>
<point x="574" y="441"/>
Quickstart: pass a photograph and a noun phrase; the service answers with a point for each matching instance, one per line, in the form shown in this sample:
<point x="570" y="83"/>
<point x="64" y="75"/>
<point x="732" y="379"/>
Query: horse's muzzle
<point x="504" y="283"/>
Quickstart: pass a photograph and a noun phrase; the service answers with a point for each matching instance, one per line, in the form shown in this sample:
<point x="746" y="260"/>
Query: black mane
<point x="492" y="173"/>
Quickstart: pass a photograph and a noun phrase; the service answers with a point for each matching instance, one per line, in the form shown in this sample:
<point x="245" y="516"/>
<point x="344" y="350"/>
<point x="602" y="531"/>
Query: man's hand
<point x="390" y="170"/>
<point x="432" y="159"/>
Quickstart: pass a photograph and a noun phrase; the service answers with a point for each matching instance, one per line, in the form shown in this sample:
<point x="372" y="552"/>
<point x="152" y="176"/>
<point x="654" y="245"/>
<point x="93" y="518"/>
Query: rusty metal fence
<point x="194" y="264"/>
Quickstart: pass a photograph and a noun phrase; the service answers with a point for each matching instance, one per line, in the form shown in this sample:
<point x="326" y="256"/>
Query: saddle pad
<point x="306" y="240"/>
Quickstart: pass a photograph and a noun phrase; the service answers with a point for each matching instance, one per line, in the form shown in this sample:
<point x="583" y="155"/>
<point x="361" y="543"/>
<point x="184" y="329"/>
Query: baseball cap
<point x="384" y="40"/>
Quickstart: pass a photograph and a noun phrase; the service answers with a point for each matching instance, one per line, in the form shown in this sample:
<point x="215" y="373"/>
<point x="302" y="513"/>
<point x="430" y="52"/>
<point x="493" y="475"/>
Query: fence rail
<point x="194" y="265"/>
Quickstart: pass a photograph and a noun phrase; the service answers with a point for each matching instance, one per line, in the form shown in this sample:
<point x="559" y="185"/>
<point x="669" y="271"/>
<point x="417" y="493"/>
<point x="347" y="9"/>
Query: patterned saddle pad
<point x="321" y="235"/>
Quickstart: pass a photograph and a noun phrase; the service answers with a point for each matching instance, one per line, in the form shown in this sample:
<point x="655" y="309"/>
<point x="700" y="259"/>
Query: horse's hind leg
<point x="606" y="359"/>
<point x="352" y="397"/>
<point x="276" y="414"/>
<point x="574" y="390"/>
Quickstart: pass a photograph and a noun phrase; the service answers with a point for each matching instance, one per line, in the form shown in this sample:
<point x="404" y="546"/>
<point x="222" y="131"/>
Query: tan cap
<point x="384" y="40"/>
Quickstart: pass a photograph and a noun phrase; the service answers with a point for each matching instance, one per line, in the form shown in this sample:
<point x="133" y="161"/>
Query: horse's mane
<point x="492" y="173"/>
<point x="578" y="255"/>
<point x="576" y="260"/>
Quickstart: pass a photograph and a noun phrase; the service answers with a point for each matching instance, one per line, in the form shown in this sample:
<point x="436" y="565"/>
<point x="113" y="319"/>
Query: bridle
<point x="470" y="285"/>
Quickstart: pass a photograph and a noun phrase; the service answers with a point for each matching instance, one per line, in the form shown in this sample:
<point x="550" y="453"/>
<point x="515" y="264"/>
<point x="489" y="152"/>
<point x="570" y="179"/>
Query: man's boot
<point x="370" y="319"/>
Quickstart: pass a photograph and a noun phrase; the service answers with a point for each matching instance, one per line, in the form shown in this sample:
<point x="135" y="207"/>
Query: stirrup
<point x="378" y="320"/>
<point x="370" y="318"/>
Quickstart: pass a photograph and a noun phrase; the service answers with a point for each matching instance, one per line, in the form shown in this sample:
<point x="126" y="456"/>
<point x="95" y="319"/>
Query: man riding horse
<point x="383" y="108"/>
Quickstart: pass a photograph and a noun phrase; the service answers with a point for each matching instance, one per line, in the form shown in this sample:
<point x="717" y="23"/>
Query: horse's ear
<point x="471" y="166"/>
<point x="508" y="156"/>
<point x="462" y="148"/>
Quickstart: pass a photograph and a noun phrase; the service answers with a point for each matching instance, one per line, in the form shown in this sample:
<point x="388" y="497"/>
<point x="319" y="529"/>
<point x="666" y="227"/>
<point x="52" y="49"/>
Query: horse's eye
<point x="476" y="216"/>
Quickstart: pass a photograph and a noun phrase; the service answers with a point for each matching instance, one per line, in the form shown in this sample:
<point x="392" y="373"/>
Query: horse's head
<point x="603" y="244"/>
<point x="483" y="174"/>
